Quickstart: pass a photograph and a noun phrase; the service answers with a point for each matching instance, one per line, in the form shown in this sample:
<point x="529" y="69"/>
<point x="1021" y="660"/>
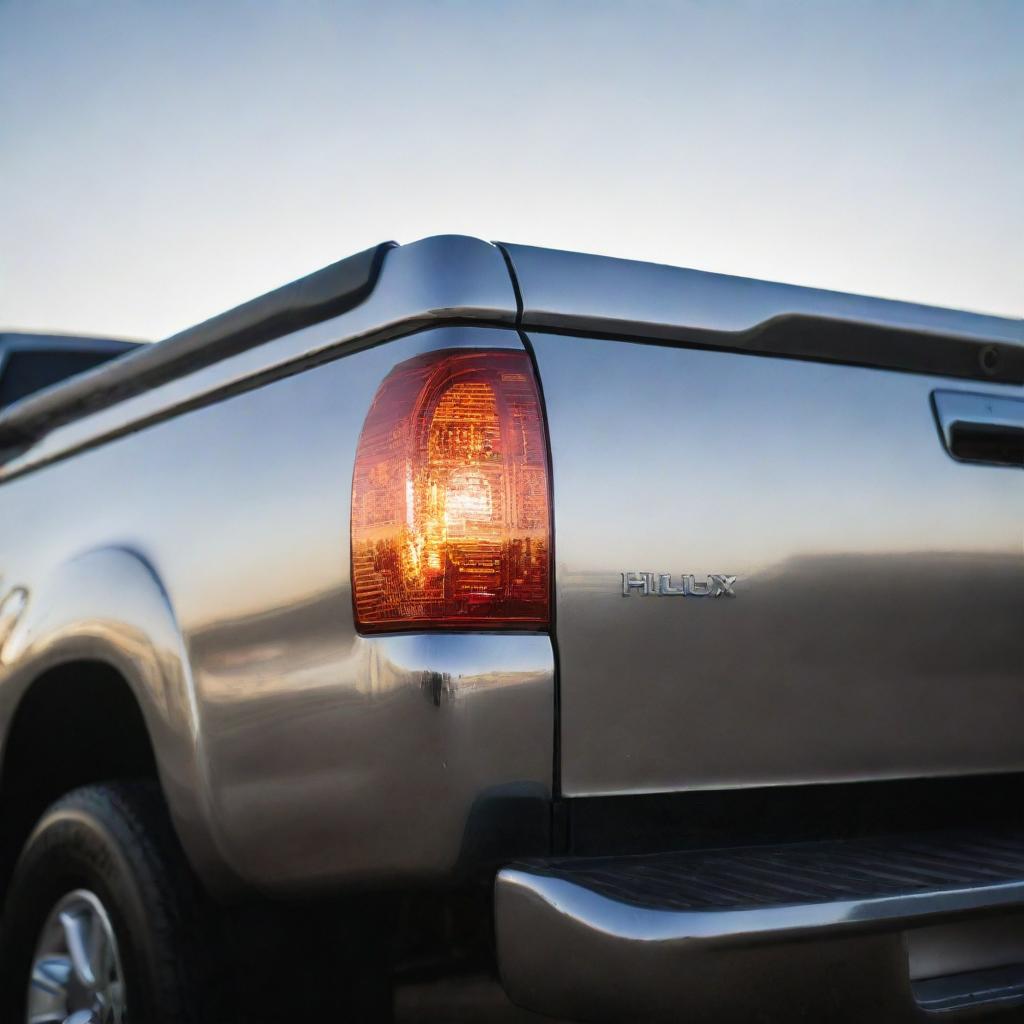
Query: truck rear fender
<point x="108" y="605"/>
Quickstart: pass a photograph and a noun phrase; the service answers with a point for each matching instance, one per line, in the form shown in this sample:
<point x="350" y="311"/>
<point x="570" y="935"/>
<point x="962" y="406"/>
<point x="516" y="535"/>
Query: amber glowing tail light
<point x="451" y="519"/>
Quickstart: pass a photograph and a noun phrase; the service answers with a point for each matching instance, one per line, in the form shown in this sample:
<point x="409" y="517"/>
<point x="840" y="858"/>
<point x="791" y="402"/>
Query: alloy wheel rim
<point x="76" y="969"/>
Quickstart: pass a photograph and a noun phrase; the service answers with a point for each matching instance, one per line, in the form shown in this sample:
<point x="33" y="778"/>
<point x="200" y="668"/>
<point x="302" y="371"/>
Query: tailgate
<point x="877" y="624"/>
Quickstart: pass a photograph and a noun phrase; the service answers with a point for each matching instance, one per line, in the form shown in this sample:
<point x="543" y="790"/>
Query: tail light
<point x="450" y="509"/>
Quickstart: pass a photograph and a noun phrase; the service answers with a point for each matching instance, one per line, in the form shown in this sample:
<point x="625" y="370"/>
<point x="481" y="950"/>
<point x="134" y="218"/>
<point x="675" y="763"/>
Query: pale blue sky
<point x="160" y="161"/>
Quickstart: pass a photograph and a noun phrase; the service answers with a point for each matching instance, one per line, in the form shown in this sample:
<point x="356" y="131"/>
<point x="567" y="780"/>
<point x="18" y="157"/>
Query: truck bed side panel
<point x="329" y="758"/>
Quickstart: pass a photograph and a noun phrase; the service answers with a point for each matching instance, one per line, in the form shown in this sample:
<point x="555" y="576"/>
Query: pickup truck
<point x="474" y="628"/>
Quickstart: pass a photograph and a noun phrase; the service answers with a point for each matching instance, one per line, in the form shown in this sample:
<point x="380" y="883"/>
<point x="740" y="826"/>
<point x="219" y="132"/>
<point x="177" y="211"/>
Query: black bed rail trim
<point x="319" y="296"/>
<point x="823" y="340"/>
<point x="598" y="296"/>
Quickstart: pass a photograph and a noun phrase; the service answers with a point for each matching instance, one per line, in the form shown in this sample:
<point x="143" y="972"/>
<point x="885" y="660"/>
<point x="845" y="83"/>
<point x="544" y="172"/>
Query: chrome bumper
<point x="824" y="931"/>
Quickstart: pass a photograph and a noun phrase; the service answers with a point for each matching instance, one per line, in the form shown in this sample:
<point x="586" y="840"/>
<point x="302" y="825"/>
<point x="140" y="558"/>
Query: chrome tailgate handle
<point x="981" y="428"/>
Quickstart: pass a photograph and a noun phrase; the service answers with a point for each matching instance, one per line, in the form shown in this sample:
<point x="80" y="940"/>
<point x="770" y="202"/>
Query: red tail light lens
<point x="450" y="510"/>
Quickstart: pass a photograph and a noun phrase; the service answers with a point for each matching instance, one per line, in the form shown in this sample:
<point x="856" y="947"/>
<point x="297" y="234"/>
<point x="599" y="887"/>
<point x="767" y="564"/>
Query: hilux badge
<point x="660" y="584"/>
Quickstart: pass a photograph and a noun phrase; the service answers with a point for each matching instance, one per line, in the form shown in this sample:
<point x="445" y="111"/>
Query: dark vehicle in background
<point x="31" y="362"/>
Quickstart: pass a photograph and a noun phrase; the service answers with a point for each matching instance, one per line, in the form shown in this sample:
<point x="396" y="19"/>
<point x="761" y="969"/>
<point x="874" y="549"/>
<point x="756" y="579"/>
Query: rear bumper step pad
<point x="741" y="933"/>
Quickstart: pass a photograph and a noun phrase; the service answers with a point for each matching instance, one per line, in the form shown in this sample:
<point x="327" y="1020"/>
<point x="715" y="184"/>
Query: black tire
<point x="116" y="840"/>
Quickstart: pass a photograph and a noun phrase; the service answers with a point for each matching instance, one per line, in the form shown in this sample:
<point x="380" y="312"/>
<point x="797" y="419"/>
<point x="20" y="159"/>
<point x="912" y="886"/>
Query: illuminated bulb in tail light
<point x="450" y="502"/>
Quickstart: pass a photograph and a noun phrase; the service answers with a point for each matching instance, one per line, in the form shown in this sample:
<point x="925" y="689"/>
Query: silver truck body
<point x="193" y="535"/>
<point x="875" y="630"/>
<point x="206" y="559"/>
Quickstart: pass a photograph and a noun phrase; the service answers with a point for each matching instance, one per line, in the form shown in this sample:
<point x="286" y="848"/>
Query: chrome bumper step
<point x="813" y="928"/>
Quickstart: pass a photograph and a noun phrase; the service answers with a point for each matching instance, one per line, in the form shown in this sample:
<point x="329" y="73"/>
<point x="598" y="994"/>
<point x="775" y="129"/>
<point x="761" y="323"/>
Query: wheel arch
<point x="77" y="723"/>
<point x="101" y="629"/>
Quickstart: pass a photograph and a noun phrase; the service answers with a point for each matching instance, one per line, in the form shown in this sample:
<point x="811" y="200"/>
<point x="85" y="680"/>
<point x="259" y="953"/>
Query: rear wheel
<point x="104" y="921"/>
<point x="76" y="971"/>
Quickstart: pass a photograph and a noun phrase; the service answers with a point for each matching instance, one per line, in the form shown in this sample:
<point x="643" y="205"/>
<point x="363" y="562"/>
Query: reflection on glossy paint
<point x="224" y="537"/>
<point x="876" y="629"/>
<point x="11" y="608"/>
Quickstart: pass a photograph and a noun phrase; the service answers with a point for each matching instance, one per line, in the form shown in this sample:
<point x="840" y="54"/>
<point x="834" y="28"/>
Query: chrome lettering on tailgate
<point x="659" y="584"/>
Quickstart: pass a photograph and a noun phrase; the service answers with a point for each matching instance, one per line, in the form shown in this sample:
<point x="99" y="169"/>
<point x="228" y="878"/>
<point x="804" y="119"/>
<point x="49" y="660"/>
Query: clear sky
<point x="162" y="161"/>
